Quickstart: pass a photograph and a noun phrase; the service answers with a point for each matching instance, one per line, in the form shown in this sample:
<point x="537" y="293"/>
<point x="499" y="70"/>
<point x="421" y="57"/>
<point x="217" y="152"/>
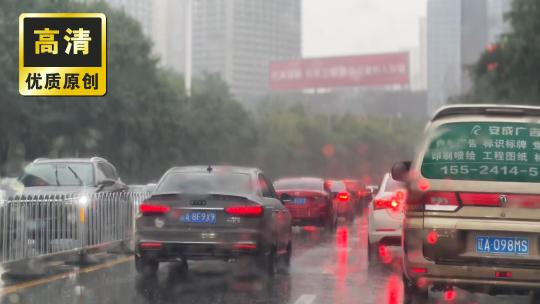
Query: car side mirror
<point x="107" y="182"/>
<point x="400" y="170"/>
<point x="285" y="198"/>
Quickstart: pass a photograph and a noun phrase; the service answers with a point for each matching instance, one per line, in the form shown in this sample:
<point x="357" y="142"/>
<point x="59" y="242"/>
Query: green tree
<point x="294" y="141"/>
<point x="219" y="129"/>
<point x="129" y="125"/>
<point x="146" y="123"/>
<point x="509" y="72"/>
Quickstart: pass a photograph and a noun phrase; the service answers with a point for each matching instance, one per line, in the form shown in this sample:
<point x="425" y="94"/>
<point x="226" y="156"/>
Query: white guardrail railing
<point x="40" y="225"/>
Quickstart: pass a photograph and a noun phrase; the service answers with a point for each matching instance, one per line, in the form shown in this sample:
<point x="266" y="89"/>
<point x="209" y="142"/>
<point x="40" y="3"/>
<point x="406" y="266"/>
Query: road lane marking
<point x="306" y="299"/>
<point x="18" y="287"/>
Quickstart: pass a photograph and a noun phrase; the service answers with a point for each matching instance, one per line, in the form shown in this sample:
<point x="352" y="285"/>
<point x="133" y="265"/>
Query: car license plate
<point x="199" y="217"/>
<point x="502" y="245"/>
<point x="299" y="200"/>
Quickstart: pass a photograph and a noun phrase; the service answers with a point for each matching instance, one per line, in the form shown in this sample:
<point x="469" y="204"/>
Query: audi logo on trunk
<point x="198" y="202"/>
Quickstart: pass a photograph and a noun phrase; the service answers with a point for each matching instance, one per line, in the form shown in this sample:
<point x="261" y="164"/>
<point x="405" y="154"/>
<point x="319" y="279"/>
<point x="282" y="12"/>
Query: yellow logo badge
<point x="63" y="54"/>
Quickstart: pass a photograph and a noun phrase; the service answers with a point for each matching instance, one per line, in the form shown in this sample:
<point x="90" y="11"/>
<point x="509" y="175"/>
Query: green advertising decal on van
<point x="486" y="151"/>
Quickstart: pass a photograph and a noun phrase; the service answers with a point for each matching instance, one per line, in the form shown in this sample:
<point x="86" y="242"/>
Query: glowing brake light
<point x="441" y="201"/>
<point x="385" y="204"/>
<point x="503" y="274"/>
<point x="419" y="270"/>
<point x="150" y="209"/>
<point x="343" y="196"/>
<point x="244" y="211"/>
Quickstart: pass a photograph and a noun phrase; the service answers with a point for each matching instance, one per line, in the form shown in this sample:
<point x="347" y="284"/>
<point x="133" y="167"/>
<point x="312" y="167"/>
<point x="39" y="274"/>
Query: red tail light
<point x="343" y="196"/>
<point x="151" y="209"/>
<point x="480" y="199"/>
<point x="441" y="201"/>
<point x="503" y="274"/>
<point x="499" y="199"/>
<point x="244" y="211"/>
<point x="419" y="270"/>
<point x="451" y="201"/>
<point x="385" y="204"/>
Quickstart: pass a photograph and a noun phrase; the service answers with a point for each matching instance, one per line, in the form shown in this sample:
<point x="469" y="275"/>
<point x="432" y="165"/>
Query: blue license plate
<point x="502" y="245"/>
<point x="299" y="200"/>
<point x="199" y="217"/>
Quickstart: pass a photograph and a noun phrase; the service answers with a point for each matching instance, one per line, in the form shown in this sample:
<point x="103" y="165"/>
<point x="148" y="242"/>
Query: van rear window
<point x="484" y="151"/>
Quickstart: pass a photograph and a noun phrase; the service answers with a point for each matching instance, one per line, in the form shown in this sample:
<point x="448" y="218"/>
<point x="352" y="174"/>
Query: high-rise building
<point x="164" y="23"/>
<point x="443" y="51"/>
<point x="238" y="39"/>
<point x="419" y="59"/>
<point x="458" y="32"/>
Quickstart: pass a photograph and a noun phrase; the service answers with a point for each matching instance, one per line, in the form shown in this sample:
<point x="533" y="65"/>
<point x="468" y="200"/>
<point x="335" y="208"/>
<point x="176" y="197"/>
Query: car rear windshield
<point x="353" y="185"/>
<point x="58" y="174"/>
<point x="299" y="184"/>
<point x="484" y="151"/>
<point x="203" y="182"/>
<point x="337" y="186"/>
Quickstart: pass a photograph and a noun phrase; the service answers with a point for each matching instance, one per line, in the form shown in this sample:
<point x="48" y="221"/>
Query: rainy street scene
<point x="269" y="151"/>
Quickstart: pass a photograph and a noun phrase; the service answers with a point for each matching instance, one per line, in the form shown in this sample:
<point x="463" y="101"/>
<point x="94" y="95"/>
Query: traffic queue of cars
<point x="233" y="213"/>
<point x="465" y="211"/>
<point x="214" y="212"/>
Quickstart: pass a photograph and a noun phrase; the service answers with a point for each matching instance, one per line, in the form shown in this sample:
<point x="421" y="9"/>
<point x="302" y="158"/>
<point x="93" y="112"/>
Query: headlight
<point x="83" y="201"/>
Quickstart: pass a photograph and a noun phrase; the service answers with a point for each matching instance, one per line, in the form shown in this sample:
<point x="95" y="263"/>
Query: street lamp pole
<point x="188" y="47"/>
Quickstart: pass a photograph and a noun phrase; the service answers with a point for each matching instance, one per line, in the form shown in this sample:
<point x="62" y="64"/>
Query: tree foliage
<point x="509" y="72"/>
<point x="147" y="123"/>
<point x="294" y="141"/>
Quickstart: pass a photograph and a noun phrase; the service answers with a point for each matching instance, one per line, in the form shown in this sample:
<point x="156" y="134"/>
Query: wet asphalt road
<point x="324" y="269"/>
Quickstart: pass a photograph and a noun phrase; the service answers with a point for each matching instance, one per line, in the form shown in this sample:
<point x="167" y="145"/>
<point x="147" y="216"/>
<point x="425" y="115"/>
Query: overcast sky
<point x="343" y="27"/>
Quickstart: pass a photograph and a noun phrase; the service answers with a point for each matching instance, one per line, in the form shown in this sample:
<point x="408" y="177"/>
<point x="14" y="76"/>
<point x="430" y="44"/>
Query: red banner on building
<point x="350" y="71"/>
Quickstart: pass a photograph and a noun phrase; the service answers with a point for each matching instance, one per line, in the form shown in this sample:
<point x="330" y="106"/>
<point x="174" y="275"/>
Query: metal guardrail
<point x="41" y="225"/>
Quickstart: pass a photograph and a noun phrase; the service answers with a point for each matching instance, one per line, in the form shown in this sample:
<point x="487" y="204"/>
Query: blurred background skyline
<point x="240" y="39"/>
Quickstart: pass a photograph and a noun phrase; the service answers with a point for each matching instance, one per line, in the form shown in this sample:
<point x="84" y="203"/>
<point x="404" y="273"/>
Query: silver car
<point x="385" y="217"/>
<point x="213" y="213"/>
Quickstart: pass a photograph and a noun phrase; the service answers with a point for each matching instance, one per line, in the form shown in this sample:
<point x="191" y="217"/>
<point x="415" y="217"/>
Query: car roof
<point x="304" y="178"/>
<point x="486" y="109"/>
<point x="336" y="180"/>
<point x="235" y="169"/>
<point x="68" y="160"/>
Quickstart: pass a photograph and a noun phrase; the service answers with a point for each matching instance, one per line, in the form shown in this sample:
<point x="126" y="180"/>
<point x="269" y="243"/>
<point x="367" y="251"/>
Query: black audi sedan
<point x="220" y="212"/>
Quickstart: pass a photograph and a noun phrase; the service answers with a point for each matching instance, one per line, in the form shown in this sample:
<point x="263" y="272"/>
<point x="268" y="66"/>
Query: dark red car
<point x="308" y="201"/>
